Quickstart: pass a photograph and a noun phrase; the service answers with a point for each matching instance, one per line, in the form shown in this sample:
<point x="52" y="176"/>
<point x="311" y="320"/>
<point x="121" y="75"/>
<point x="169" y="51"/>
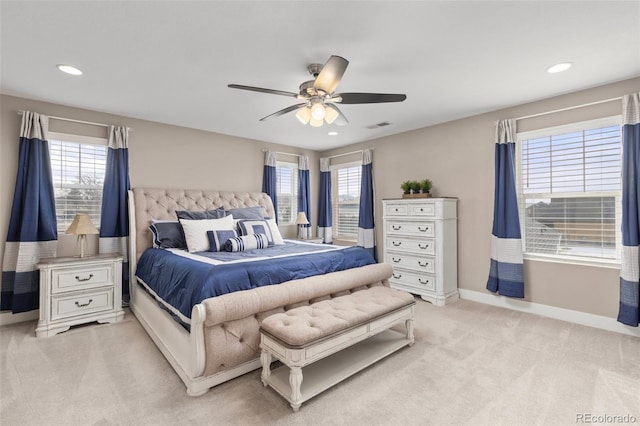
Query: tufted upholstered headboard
<point x="161" y="204"/>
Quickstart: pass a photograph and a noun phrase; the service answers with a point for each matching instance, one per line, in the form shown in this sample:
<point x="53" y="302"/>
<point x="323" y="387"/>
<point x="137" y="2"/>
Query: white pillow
<point x="195" y="231"/>
<point x="275" y="232"/>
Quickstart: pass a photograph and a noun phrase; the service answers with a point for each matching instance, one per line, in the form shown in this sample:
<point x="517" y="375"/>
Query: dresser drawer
<point x="421" y="264"/>
<point x="71" y="305"/>
<point x="80" y="278"/>
<point x="422" y="209"/>
<point x="396" y="210"/>
<point x="413" y="279"/>
<point x="417" y="246"/>
<point x="425" y="228"/>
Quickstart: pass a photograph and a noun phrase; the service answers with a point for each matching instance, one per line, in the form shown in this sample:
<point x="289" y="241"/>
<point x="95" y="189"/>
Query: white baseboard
<point x="7" y="318"/>
<point x="577" y="317"/>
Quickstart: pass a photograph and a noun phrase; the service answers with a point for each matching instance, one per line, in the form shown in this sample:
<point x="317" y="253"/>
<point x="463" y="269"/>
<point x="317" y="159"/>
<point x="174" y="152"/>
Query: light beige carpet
<point x="472" y="364"/>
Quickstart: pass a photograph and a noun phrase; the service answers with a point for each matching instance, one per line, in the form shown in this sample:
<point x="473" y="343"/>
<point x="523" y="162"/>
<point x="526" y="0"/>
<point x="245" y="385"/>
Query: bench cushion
<point x="304" y="325"/>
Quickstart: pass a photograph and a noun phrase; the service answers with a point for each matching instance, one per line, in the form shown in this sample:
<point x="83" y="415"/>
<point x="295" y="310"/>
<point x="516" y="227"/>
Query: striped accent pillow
<point x="218" y="238"/>
<point x="247" y="242"/>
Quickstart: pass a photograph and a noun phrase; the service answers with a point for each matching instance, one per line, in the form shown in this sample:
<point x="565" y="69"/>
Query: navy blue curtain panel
<point x="630" y="268"/>
<point x="506" y="276"/>
<point x="325" y="219"/>
<point x="33" y="231"/>
<point x="269" y="180"/>
<point x="304" y="197"/>
<point x="366" y="226"/>
<point x="114" y="219"/>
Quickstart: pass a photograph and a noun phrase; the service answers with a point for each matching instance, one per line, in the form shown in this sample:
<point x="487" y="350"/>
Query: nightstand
<point x="76" y="290"/>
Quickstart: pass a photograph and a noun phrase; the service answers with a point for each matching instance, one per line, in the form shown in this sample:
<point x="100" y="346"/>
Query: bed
<point x="221" y="339"/>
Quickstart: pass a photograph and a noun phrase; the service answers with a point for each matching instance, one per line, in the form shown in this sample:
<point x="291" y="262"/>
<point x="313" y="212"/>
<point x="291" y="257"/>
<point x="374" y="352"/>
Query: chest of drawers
<point x="77" y="290"/>
<point x="420" y="242"/>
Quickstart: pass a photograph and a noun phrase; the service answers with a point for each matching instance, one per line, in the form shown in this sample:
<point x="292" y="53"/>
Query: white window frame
<point x="294" y="189"/>
<point x="559" y="258"/>
<point x="79" y="139"/>
<point x="334" y="202"/>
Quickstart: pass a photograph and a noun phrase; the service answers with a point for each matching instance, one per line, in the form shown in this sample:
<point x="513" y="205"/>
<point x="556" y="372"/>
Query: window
<point x="287" y="191"/>
<point x="570" y="191"/>
<point x="78" y="166"/>
<point x="345" y="183"/>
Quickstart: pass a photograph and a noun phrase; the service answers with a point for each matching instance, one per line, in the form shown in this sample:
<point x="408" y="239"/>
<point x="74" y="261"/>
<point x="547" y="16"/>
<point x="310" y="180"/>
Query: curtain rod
<point x="348" y="153"/>
<point x="568" y="108"/>
<point x="283" y="153"/>
<point x="91" y="123"/>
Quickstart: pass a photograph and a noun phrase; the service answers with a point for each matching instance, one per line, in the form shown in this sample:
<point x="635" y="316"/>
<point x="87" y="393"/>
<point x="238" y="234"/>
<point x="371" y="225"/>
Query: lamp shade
<point x="302" y="219"/>
<point x="82" y="225"/>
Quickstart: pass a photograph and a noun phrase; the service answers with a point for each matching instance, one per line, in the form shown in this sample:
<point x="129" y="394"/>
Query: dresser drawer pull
<point x="397" y="277"/>
<point x="421" y="209"/>
<point x="84" y="304"/>
<point x="421" y="229"/>
<point x="396" y="227"/>
<point x="84" y="279"/>
<point x="396" y="243"/>
<point x="396" y="259"/>
<point x="424" y="265"/>
<point x="423" y="246"/>
<point x="423" y="282"/>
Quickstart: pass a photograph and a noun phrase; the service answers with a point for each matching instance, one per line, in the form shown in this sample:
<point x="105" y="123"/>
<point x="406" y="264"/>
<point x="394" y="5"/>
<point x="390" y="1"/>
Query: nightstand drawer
<point x="79" y="278"/>
<point x="81" y="303"/>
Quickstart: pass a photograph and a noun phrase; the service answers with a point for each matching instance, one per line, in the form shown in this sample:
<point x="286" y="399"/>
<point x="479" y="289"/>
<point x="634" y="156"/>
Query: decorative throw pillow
<point x="200" y="215"/>
<point x="195" y="231"/>
<point x="248" y="227"/>
<point x="246" y="242"/>
<point x="247" y="213"/>
<point x="219" y="237"/>
<point x="167" y="234"/>
<point x="275" y="231"/>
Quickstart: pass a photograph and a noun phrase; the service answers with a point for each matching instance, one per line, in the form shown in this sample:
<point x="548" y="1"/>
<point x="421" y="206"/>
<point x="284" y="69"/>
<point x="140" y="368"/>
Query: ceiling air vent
<point x="375" y="126"/>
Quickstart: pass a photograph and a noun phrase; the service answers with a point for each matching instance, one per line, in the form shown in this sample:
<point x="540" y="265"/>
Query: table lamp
<point x="81" y="226"/>
<point x="300" y="221"/>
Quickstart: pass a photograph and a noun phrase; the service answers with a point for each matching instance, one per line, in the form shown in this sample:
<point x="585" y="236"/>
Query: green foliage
<point x="426" y="185"/>
<point x="415" y="186"/>
<point x="406" y="186"/>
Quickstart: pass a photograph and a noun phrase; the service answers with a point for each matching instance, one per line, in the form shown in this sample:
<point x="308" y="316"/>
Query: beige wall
<point x="458" y="157"/>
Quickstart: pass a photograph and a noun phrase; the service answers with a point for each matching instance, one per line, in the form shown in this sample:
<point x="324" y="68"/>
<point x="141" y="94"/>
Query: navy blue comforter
<point x="182" y="282"/>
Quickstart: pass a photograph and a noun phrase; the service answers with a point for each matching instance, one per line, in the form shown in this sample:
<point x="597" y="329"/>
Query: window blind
<point x="347" y="203"/>
<point x="287" y="191"/>
<point x="78" y="176"/>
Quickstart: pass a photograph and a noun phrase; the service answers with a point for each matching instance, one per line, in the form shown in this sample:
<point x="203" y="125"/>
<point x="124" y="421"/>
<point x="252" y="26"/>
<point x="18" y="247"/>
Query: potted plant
<point x="425" y="186"/>
<point x="406" y="187"/>
<point x="415" y="186"/>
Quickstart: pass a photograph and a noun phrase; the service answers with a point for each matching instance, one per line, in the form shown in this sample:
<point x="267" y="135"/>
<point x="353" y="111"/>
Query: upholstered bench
<point x="332" y="339"/>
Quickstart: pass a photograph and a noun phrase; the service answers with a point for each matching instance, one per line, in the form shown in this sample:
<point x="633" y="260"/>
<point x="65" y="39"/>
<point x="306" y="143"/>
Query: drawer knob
<point x="396" y="209"/>
<point x="396" y="243"/>
<point x="423" y="282"/>
<point x="423" y="246"/>
<point x="421" y="209"/>
<point x="425" y="264"/>
<point x="84" y="279"/>
<point x="421" y="229"/>
<point x="82" y="305"/>
<point x="396" y="227"/>
<point x="396" y="260"/>
<point x="397" y="276"/>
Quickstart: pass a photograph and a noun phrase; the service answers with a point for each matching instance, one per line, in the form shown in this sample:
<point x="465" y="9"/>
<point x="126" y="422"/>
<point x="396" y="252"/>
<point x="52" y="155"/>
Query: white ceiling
<point x="171" y="61"/>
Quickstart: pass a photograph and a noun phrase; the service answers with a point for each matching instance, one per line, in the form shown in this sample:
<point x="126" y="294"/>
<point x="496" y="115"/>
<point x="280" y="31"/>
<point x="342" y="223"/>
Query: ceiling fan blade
<point x="370" y="98"/>
<point x="284" y="111"/>
<point x="263" y="90"/>
<point x="331" y="74"/>
<point x="341" y="120"/>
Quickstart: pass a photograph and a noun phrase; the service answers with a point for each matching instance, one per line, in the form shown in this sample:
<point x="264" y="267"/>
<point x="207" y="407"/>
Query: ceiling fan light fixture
<point x="330" y="115"/>
<point x="304" y="115"/>
<point x="317" y="111"/>
<point x="316" y="123"/>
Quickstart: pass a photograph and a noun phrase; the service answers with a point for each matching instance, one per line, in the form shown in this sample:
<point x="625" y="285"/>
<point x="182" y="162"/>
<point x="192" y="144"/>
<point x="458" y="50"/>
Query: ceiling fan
<point x="319" y="95"/>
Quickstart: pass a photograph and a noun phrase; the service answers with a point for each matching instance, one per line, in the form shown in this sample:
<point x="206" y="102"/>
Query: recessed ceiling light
<point x="333" y="133"/>
<point x="69" y="69"/>
<point x="563" y="66"/>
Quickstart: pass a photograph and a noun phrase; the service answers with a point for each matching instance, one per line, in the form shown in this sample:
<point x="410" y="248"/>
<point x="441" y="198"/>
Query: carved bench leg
<point x="265" y="360"/>
<point x="410" y="336"/>
<point x="295" y="381"/>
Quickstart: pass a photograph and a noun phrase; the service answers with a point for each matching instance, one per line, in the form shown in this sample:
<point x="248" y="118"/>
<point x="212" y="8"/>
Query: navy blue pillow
<point x="217" y="239"/>
<point x="247" y="213"/>
<point x="200" y="215"/>
<point x="248" y="227"/>
<point x="168" y="234"/>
